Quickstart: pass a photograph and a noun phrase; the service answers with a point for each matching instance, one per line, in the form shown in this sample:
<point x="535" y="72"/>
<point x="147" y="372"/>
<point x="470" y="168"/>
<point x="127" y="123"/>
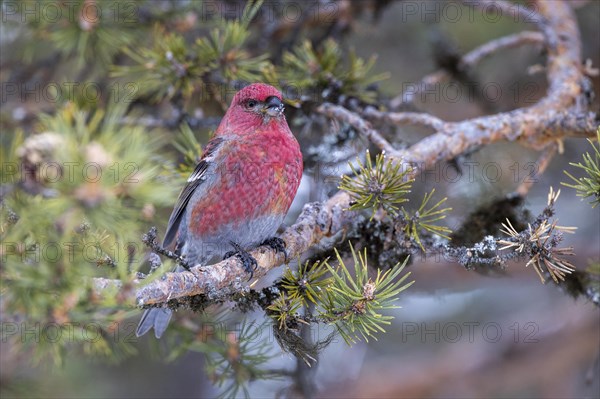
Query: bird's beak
<point x="273" y="107"/>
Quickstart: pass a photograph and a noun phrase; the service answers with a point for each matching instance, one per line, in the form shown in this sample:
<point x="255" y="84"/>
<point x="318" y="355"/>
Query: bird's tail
<point x="156" y="317"/>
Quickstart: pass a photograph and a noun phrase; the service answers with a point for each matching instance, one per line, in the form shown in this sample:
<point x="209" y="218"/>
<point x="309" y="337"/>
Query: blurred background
<point x="458" y="333"/>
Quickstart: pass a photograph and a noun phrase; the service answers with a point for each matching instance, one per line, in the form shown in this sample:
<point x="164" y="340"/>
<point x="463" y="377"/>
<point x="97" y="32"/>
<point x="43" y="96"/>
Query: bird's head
<point x="253" y="106"/>
<point x="260" y="99"/>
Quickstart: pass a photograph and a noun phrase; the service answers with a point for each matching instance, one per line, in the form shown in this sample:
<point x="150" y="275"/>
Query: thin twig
<point x="541" y="165"/>
<point x="468" y="61"/>
<point x="364" y="128"/>
<point x="471" y="59"/>
<point x="426" y="84"/>
<point x="149" y="239"/>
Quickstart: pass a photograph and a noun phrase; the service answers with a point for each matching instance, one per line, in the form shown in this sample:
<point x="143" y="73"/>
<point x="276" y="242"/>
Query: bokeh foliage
<point x="82" y="190"/>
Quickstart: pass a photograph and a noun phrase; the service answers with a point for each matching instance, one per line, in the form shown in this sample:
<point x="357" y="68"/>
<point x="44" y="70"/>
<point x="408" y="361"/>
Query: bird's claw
<point x="247" y="260"/>
<point x="278" y="245"/>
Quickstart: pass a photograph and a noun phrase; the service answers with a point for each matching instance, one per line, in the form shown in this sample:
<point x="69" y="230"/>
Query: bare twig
<point x="149" y="239"/>
<point x="471" y="59"/>
<point x="468" y="61"/>
<point x="541" y="165"/>
<point x="363" y="127"/>
<point x="424" y="85"/>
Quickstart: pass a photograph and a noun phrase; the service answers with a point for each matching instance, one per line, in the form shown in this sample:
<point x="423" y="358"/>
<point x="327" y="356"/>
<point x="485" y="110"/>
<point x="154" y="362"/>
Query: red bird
<point x="240" y="191"/>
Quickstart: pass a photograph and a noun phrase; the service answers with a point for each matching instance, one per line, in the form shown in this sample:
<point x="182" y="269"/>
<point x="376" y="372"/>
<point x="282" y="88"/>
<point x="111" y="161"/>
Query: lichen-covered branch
<point x="316" y="222"/>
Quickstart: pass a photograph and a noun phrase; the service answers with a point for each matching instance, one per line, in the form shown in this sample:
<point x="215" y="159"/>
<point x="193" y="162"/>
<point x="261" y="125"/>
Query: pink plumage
<point x="241" y="189"/>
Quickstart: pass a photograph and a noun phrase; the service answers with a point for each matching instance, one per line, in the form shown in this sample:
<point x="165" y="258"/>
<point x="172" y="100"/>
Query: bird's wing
<point x="195" y="180"/>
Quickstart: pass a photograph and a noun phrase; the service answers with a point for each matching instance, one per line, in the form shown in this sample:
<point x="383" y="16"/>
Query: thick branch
<point x="315" y="222"/>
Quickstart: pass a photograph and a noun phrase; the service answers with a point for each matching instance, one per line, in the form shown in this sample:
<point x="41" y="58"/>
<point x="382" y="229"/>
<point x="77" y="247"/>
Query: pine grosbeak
<point x="240" y="190"/>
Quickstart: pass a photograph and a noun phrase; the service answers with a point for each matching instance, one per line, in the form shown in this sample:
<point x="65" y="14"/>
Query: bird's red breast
<point x="246" y="179"/>
<point x="258" y="174"/>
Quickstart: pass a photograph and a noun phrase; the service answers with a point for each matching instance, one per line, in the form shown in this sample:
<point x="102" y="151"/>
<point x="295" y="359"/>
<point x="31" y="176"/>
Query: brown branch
<point x="427" y="83"/>
<point x="468" y="61"/>
<point x="473" y="58"/>
<point x="542" y="163"/>
<point x="561" y="113"/>
<point x="363" y="127"/>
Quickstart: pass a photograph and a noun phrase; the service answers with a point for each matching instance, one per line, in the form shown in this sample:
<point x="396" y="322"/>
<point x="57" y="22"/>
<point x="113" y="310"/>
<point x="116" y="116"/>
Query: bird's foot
<point x="277" y="244"/>
<point x="248" y="260"/>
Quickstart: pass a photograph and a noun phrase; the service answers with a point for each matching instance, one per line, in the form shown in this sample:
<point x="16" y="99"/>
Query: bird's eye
<point x="251" y="103"/>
